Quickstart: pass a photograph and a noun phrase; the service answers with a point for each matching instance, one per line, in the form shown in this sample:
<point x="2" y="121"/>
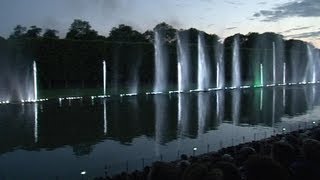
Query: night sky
<point x="297" y="19"/>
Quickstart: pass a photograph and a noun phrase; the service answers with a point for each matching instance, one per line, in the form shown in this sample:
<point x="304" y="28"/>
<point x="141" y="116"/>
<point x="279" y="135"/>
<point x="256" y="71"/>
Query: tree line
<point x="76" y="60"/>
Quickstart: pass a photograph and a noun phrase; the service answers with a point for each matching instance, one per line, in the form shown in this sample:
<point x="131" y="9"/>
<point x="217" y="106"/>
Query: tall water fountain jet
<point x="218" y="75"/>
<point x="274" y="62"/>
<point x="284" y="73"/>
<point x="104" y="78"/>
<point x="261" y="74"/>
<point x="203" y="73"/>
<point x="161" y="65"/>
<point x="311" y="67"/>
<point x="179" y="77"/>
<point x="236" y="63"/>
<point x="220" y="69"/>
<point x="35" y="85"/>
<point x="183" y="62"/>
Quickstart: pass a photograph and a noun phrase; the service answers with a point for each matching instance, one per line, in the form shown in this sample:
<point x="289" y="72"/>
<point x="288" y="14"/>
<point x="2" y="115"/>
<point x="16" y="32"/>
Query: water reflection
<point x="81" y="125"/>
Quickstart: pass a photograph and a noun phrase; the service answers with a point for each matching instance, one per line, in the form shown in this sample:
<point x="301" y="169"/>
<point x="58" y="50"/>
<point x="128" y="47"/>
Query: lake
<point x="61" y="138"/>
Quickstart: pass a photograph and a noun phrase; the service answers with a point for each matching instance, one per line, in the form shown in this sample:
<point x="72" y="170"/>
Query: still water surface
<point x="61" y="138"/>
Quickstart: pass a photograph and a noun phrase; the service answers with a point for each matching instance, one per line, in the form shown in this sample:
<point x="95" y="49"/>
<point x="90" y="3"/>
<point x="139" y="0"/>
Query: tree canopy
<point x="81" y="30"/>
<point x="50" y="34"/>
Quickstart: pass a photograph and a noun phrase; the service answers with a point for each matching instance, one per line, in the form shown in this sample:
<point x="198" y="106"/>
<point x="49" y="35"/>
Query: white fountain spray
<point x="311" y="64"/>
<point x="220" y="70"/>
<point x="183" y="63"/>
<point x="35" y="89"/>
<point x="235" y="63"/>
<point x="274" y="62"/>
<point x="203" y="82"/>
<point x="261" y="74"/>
<point x="179" y="77"/>
<point x="284" y="73"/>
<point x="218" y="75"/>
<point x="160" y="64"/>
<point x="104" y="78"/>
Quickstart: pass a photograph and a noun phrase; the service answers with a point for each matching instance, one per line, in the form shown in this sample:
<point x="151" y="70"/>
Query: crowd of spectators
<point x="292" y="156"/>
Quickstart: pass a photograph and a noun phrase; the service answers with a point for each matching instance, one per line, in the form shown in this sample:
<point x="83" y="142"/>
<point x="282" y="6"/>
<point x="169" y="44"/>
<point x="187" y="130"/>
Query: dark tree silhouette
<point x="170" y="32"/>
<point x="33" y="32"/>
<point x="18" y="32"/>
<point x="124" y="33"/>
<point x="81" y="30"/>
<point x="50" y="34"/>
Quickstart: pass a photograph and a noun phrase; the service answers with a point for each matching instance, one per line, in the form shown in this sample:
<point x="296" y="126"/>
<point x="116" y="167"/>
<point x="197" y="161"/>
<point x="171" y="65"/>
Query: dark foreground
<point x="292" y="156"/>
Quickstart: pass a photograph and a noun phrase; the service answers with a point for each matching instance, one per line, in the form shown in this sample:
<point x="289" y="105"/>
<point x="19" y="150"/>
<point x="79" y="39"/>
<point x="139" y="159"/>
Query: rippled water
<point x="59" y="139"/>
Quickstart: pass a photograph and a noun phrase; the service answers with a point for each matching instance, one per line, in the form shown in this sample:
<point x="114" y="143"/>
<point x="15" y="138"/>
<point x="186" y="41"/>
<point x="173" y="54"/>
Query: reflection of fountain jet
<point x="160" y="126"/>
<point x="261" y="99"/>
<point x="273" y="106"/>
<point x="220" y="106"/>
<point x="236" y="98"/>
<point x="203" y="111"/>
<point x="35" y="122"/>
<point x="105" y="124"/>
<point x="284" y="97"/>
<point x="309" y="93"/>
<point x="183" y="113"/>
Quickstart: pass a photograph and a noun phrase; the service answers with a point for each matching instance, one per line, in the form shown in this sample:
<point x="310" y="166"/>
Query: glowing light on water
<point x="130" y="94"/>
<point x="35" y="89"/>
<point x="104" y="78"/>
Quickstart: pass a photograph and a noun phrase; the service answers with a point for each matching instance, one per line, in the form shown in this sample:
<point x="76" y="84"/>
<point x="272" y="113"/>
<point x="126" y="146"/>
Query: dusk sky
<point x="299" y="19"/>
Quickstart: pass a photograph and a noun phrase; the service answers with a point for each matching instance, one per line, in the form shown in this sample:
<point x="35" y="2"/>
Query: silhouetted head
<point x="311" y="150"/>
<point x="163" y="170"/>
<point x="229" y="170"/>
<point x="283" y="153"/>
<point x="264" y="168"/>
<point x="195" y="171"/>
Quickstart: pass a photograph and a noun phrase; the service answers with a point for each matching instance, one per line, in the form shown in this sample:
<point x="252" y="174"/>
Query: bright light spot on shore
<point x="195" y="148"/>
<point x="283" y="129"/>
<point x="83" y="172"/>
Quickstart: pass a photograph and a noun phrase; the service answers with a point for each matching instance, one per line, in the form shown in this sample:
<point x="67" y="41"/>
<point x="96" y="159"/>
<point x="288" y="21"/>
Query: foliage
<point x="81" y="30"/>
<point x="50" y="33"/>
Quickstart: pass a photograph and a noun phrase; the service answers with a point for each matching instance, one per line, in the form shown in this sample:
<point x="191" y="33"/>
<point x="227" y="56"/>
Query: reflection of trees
<point x="82" y="149"/>
<point x="82" y="126"/>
